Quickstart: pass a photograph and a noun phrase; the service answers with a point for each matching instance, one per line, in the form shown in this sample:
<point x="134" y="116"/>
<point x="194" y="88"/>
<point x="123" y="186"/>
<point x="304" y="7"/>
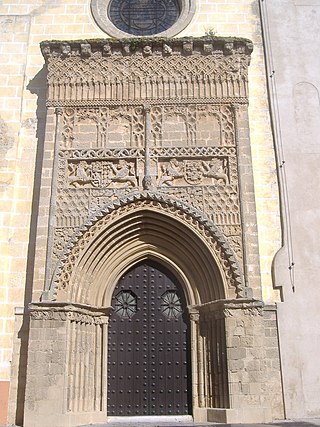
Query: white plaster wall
<point x="294" y="27"/>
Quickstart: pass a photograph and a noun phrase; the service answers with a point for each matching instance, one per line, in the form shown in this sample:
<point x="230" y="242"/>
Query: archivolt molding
<point x="106" y="216"/>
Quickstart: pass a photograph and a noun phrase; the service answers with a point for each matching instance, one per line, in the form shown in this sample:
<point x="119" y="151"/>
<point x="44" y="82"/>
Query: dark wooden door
<point x="148" y="345"/>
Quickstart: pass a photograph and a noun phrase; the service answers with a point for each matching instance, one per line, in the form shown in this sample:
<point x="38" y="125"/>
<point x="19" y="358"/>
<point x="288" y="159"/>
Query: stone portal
<point x="148" y="156"/>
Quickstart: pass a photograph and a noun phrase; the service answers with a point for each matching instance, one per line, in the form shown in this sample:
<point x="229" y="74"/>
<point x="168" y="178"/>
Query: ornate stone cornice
<point x="73" y="312"/>
<point x="82" y="103"/>
<point x="231" y="308"/>
<point x="186" y="46"/>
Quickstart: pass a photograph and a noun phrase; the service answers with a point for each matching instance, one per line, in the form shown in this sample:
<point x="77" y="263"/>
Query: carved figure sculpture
<point x="79" y="174"/>
<point x="124" y="172"/>
<point x="216" y="169"/>
<point x="171" y="171"/>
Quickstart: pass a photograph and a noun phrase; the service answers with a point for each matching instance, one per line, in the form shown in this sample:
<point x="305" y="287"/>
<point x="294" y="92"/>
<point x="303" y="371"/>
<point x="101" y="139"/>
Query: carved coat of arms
<point x="193" y="172"/>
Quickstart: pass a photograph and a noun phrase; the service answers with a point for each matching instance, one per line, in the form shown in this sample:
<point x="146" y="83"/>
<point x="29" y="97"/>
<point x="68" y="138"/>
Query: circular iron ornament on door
<point x="140" y="18"/>
<point x="171" y="305"/>
<point x="125" y="304"/>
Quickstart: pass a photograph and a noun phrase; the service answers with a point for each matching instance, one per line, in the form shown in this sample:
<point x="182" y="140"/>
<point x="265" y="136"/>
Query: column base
<point x="232" y="416"/>
<point x="64" y="420"/>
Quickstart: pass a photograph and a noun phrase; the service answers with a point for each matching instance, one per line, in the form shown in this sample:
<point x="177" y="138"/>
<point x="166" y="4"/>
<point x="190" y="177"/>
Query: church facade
<point x="152" y="230"/>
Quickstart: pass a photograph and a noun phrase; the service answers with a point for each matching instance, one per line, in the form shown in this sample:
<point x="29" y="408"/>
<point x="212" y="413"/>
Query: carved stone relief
<point x="147" y="69"/>
<point x="112" y="126"/>
<point x="155" y="115"/>
<point x="171" y="125"/>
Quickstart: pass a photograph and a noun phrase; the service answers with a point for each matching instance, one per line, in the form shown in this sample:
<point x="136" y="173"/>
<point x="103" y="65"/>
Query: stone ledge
<point x="155" y="46"/>
<point x="65" y="311"/>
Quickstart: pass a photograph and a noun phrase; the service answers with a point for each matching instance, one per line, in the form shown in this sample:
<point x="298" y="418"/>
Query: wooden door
<point x="148" y="345"/>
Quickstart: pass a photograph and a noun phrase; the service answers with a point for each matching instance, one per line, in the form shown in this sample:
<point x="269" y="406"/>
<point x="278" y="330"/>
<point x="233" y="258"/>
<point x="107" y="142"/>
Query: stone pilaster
<point x="250" y="351"/>
<point x="59" y="392"/>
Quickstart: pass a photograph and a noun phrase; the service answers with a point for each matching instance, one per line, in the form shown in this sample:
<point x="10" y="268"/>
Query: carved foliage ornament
<point x="235" y="308"/>
<point x="68" y="314"/>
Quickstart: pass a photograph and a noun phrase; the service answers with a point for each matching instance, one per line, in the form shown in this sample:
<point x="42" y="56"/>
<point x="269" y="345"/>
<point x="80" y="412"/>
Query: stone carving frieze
<point x="68" y="313"/>
<point x="203" y="177"/>
<point x="193" y="172"/>
<point x="101" y="174"/>
<point x="147" y="69"/>
<point x="226" y="309"/>
<point x="155" y="152"/>
<point x="71" y="316"/>
<point x="171" y="172"/>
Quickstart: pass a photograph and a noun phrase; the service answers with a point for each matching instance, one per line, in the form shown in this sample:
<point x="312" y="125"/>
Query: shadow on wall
<point x="37" y="86"/>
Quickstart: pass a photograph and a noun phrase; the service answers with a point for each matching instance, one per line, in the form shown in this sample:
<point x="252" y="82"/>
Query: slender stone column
<point x="147" y="180"/>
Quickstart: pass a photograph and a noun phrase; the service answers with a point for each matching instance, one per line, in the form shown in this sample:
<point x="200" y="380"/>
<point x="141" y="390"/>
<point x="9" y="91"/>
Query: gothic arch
<point x="146" y="225"/>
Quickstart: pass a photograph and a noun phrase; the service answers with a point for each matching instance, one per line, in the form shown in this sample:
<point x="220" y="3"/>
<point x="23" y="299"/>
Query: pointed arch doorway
<point x="149" y="345"/>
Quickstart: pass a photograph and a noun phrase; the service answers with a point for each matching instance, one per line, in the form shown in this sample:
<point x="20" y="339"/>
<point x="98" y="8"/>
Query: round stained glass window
<point x="143" y="17"/>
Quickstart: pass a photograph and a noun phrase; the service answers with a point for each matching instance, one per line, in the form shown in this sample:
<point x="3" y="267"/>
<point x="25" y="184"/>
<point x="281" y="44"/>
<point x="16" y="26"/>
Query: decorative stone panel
<point x="146" y="114"/>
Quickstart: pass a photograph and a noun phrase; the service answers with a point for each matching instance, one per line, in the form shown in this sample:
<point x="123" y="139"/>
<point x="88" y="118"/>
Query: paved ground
<point x="286" y="423"/>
